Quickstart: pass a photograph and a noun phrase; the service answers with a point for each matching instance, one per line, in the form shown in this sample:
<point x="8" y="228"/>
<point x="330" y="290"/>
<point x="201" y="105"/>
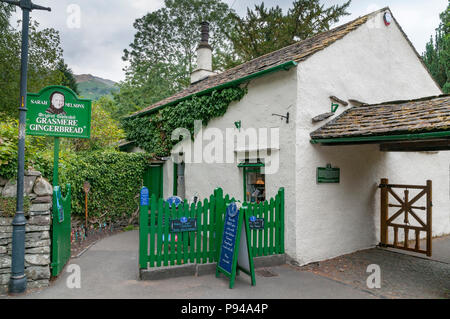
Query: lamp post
<point x="18" y="280"/>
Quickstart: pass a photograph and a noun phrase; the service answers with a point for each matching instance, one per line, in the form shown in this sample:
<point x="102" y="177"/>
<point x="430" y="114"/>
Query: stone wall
<point x="37" y="237"/>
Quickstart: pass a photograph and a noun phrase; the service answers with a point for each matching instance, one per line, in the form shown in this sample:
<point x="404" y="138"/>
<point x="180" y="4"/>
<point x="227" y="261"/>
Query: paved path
<point x="403" y="274"/>
<point x="109" y="270"/>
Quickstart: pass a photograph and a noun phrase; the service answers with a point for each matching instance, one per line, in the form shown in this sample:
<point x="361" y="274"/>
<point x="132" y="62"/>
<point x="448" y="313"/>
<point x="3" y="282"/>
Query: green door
<point x="153" y="180"/>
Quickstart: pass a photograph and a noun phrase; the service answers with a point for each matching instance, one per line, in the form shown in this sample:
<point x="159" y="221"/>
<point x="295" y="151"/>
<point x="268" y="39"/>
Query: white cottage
<point x="322" y="101"/>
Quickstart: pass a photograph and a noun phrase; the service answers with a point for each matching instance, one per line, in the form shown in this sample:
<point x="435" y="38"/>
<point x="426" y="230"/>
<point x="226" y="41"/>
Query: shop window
<point x="254" y="182"/>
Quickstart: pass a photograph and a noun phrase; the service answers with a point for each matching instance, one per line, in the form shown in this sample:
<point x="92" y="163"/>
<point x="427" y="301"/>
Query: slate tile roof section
<point x="431" y="114"/>
<point x="297" y="52"/>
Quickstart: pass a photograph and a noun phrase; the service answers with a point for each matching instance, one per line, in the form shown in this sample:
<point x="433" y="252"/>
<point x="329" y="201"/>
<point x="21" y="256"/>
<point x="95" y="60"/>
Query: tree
<point x="163" y="52"/>
<point x="105" y="131"/>
<point x="44" y="55"/>
<point x="266" y="30"/>
<point x="68" y="77"/>
<point x="5" y="14"/>
<point x="437" y="52"/>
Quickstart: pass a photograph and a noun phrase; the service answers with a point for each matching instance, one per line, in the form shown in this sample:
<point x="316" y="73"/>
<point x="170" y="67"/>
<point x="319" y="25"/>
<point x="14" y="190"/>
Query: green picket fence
<point x="159" y="247"/>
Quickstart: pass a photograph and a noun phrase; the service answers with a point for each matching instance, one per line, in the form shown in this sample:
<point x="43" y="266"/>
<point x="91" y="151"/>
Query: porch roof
<point x="415" y="125"/>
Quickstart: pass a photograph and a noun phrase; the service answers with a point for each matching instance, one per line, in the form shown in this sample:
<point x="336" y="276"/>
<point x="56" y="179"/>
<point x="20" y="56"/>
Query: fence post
<point x="384" y="211"/>
<point x="429" y="220"/>
<point x="143" y="231"/>
<point x="282" y="219"/>
<point x="218" y="194"/>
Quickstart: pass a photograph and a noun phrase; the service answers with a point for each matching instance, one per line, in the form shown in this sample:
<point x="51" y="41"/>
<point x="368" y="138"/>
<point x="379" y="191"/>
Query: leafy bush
<point x="105" y="131"/>
<point x="9" y="137"/>
<point x="115" y="179"/>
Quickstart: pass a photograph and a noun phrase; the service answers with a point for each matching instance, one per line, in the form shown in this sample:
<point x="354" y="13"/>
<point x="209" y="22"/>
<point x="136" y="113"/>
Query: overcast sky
<point x="107" y="26"/>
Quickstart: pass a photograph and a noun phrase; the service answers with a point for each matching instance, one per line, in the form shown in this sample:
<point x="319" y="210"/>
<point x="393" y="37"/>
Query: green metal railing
<point x="61" y="230"/>
<point x="159" y="247"/>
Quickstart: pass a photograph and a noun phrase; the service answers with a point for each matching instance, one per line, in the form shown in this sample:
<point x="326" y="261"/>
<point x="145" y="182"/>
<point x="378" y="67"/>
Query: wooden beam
<point x="416" y="146"/>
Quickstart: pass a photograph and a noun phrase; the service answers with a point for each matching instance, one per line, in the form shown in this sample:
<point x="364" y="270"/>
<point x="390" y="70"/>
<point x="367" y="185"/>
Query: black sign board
<point x="256" y="223"/>
<point x="235" y="252"/>
<point x="183" y="225"/>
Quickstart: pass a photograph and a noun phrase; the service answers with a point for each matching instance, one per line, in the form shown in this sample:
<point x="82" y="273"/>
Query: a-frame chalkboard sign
<point x="235" y="253"/>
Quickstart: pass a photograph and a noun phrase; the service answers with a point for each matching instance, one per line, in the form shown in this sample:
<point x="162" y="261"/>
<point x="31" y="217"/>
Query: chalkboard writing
<point x="183" y="224"/>
<point x="229" y="238"/>
<point x="256" y="223"/>
<point x="144" y="196"/>
<point x="235" y="251"/>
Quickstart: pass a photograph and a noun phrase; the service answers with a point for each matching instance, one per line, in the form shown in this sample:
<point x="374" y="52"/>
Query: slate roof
<point x="297" y="52"/>
<point x="431" y="114"/>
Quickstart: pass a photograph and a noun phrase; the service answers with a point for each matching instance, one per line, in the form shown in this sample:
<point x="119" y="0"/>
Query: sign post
<point x="18" y="279"/>
<point x="86" y="188"/>
<point x="57" y="111"/>
<point x="235" y="251"/>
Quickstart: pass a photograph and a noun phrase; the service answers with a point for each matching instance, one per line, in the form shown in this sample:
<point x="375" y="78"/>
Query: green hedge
<point x="115" y="179"/>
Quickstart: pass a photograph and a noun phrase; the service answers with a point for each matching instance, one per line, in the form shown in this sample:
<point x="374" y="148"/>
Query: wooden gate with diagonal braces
<point x="409" y="212"/>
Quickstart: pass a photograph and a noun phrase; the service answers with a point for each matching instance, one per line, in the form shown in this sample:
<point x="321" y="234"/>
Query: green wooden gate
<point x="61" y="229"/>
<point x="159" y="247"/>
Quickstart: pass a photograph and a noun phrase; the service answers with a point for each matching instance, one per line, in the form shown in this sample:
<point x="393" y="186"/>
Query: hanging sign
<point x="235" y="252"/>
<point x="328" y="174"/>
<point x="57" y="111"/>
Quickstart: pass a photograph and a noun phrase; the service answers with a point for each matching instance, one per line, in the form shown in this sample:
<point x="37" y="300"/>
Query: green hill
<point x="92" y="87"/>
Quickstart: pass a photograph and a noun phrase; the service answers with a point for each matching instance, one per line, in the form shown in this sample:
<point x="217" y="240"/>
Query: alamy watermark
<point x="73" y="281"/>
<point x="374" y="279"/>
<point x="74" y="16"/>
<point x="213" y="145"/>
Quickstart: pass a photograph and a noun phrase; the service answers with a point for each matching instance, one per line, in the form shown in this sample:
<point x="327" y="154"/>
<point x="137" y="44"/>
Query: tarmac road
<point x="109" y="269"/>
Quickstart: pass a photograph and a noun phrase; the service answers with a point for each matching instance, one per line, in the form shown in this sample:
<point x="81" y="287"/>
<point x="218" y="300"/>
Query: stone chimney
<point x="204" y="56"/>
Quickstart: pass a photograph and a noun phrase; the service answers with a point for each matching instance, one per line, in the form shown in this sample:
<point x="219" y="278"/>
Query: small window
<point x="254" y="182"/>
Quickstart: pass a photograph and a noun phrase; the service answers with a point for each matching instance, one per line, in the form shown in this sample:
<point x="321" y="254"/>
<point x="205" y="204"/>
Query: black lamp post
<point x="18" y="280"/>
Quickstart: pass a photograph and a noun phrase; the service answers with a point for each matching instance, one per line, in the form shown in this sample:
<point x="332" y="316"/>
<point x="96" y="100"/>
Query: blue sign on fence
<point x="144" y="196"/>
<point x="174" y="200"/>
<point x="229" y="238"/>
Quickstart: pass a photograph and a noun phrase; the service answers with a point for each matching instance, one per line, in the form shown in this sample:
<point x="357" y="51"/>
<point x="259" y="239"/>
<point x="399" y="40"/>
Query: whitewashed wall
<point x="372" y="64"/>
<point x="275" y="93"/>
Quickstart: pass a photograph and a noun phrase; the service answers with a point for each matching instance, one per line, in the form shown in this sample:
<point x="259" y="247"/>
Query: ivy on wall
<point x="153" y="132"/>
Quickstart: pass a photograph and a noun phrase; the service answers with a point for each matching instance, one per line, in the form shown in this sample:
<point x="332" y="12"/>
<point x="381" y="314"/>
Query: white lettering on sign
<point x="57" y="129"/>
<point x="39" y="102"/>
<point x="43" y="120"/>
<point x="77" y="106"/>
